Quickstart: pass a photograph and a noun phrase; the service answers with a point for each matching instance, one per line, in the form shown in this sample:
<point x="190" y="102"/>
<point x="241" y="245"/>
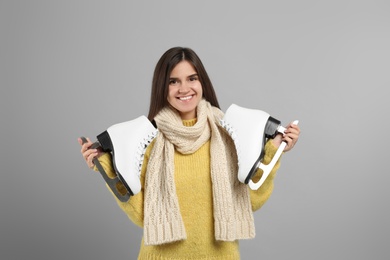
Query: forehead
<point x="183" y="69"/>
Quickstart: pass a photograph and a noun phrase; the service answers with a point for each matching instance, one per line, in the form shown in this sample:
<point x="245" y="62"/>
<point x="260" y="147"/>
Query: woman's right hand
<point x="88" y="154"/>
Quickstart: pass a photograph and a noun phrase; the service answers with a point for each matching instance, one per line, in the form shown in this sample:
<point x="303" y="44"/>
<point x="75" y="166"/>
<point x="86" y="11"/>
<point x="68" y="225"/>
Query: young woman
<point x="191" y="205"/>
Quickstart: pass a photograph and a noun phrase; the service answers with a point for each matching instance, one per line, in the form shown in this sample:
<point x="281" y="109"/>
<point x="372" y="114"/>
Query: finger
<point x="293" y="130"/>
<point x="86" y="146"/>
<point x="83" y="148"/>
<point x="288" y="145"/>
<point x="90" y="159"/>
<point x="293" y="126"/>
<point x="277" y="140"/>
<point x="83" y="140"/>
<point x="293" y="135"/>
<point x="296" y="128"/>
<point x="290" y="140"/>
<point x="88" y="153"/>
<point x="287" y="138"/>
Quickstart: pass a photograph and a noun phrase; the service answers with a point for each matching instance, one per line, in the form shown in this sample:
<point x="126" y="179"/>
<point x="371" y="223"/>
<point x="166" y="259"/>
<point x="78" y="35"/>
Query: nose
<point x="183" y="88"/>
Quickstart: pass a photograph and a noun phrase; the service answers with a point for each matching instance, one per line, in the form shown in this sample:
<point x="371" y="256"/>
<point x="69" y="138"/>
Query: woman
<point x="191" y="205"/>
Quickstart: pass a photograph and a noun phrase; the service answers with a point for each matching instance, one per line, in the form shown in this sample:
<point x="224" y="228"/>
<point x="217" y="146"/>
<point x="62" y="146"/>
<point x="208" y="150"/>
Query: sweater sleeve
<point x="260" y="196"/>
<point x="135" y="205"/>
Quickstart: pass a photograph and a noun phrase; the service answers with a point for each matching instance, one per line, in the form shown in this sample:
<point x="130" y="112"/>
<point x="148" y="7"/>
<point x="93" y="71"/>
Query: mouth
<point x="186" y="98"/>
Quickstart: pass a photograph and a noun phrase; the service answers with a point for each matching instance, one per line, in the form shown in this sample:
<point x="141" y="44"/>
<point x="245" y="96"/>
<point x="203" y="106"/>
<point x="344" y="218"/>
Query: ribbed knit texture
<point x="163" y="222"/>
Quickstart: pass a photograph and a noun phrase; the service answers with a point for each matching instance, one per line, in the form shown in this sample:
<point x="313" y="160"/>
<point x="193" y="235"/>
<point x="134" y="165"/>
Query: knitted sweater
<point x="194" y="191"/>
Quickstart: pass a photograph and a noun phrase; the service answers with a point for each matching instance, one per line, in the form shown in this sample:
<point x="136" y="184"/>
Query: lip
<point x="186" y="98"/>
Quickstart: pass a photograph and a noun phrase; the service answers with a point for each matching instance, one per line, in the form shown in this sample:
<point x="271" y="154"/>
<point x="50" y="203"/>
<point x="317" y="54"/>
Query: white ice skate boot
<point x="250" y="129"/>
<point x="127" y="143"/>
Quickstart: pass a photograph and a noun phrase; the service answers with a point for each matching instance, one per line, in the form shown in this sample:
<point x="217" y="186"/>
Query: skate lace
<point x="140" y="154"/>
<point x="231" y="131"/>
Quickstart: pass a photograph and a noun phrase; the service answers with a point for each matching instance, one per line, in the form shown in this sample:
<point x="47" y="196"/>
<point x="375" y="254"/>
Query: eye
<point x="172" y="82"/>
<point x="193" y="78"/>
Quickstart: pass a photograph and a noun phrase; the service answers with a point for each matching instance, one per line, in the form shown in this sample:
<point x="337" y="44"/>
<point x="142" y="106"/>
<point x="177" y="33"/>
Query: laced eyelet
<point x="141" y="150"/>
<point x="230" y="130"/>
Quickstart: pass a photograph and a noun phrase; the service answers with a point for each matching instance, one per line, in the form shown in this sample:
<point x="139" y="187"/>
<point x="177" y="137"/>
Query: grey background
<point x="71" y="68"/>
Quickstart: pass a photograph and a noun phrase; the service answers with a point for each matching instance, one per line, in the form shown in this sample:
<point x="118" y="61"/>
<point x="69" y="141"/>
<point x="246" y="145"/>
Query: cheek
<point x="171" y="93"/>
<point x="200" y="90"/>
<point x="171" y="97"/>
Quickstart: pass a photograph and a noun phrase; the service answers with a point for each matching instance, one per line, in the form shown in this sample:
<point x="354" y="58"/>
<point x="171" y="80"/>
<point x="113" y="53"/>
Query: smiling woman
<point x="185" y="90"/>
<point x="163" y="78"/>
<point x="191" y="204"/>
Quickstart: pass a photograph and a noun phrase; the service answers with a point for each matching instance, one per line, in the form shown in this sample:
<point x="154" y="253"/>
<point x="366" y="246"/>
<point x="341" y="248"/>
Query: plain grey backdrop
<point x="71" y="68"/>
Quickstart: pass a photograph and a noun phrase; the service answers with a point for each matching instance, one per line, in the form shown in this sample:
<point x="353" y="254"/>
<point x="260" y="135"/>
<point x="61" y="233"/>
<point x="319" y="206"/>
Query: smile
<point x="185" y="98"/>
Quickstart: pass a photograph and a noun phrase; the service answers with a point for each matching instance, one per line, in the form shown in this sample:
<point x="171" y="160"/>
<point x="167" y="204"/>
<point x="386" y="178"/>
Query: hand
<point x="291" y="136"/>
<point x="88" y="154"/>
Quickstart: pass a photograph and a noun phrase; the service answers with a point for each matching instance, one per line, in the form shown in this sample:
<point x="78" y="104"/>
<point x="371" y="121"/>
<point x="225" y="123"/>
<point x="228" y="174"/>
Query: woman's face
<point x="185" y="91"/>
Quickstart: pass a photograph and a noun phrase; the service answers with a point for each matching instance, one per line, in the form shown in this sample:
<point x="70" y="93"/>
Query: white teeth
<point x="185" y="98"/>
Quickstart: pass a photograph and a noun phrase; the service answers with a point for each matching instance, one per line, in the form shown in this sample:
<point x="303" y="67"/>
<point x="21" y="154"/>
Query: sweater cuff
<point x="106" y="162"/>
<point x="270" y="150"/>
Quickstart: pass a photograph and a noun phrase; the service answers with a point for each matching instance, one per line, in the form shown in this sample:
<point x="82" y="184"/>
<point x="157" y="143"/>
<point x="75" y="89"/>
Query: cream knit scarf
<point x="233" y="217"/>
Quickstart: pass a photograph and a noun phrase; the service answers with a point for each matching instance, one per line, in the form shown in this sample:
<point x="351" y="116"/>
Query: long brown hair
<point x="162" y="72"/>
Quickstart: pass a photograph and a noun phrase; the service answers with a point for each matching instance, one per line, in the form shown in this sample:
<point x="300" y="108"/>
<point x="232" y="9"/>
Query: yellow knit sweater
<point x="194" y="191"/>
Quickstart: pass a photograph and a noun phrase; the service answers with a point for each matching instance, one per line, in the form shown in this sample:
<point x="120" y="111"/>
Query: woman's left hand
<point x="290" y="136"/>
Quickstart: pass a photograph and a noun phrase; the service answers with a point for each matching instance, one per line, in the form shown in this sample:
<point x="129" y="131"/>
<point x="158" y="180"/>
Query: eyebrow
<point x="193" y="75"/>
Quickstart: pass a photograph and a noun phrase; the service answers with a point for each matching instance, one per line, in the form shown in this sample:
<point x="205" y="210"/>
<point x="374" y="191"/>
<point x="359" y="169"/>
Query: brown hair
<point x="162" y="72"/>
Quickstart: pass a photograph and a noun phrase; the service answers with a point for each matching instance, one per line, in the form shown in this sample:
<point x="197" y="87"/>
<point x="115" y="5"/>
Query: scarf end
<point x="164" y="233"/>
<point x="229" y="231"/>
